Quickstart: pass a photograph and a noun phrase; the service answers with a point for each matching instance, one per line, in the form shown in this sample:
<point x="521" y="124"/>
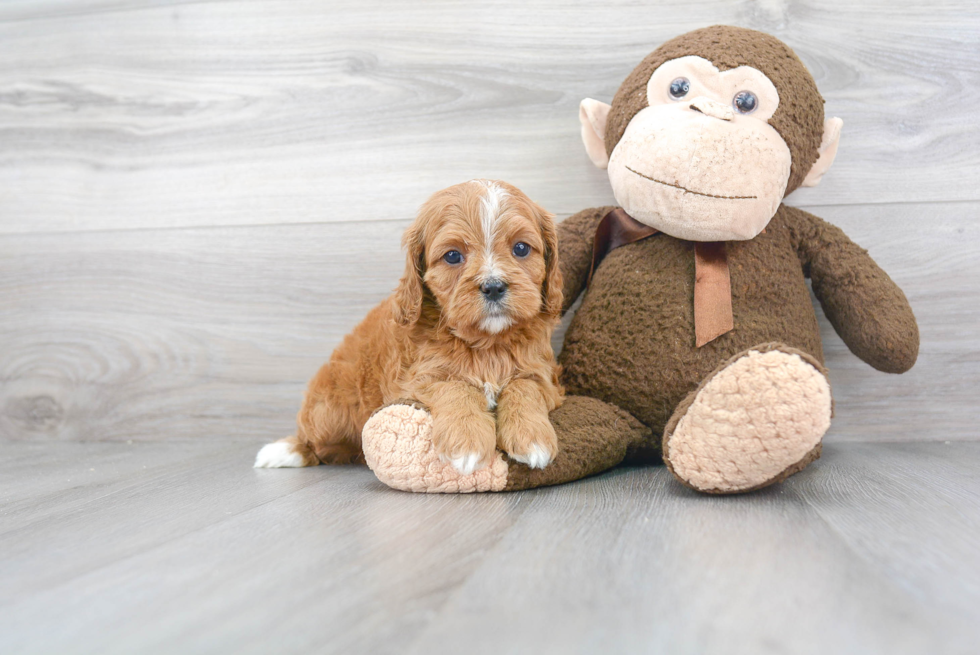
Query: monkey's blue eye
<point x="679" y="87"/>
<point x="453" y="257"/>
<point x="521" y="249"/>
<point x="745" y="102"/>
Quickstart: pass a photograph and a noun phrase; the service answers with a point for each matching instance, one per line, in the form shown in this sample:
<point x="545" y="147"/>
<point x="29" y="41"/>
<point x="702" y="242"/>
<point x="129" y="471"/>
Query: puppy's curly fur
<point x="467" y="333"/>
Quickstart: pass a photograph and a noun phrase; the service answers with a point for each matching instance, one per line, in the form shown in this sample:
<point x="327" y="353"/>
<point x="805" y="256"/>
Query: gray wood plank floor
<point x="181" y="547"/>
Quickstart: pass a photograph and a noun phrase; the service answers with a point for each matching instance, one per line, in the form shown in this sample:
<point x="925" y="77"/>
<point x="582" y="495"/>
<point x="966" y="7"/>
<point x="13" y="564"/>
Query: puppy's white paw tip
<point x="536" y="457"/>
<point x="278" y="455"/>
<point x="466" y="464"/>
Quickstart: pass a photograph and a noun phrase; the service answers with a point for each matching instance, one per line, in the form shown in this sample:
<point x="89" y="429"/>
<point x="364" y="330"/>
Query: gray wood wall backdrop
<point x="198" y="199"/>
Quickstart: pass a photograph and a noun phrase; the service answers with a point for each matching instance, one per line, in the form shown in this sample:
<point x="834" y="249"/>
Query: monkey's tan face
<point x="701" y="162"/>
<point x="485" y="259"/>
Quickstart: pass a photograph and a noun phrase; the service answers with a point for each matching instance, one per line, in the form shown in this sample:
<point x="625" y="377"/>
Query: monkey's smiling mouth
<point x="697" y="193"/>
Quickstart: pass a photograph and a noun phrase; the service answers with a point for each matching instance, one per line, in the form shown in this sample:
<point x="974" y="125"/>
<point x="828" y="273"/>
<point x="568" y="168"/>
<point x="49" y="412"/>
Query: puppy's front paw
<point x="468" y="463"/>
<point x="531" y="442"/>
<point x="536" y="457"/>
<point x="467" y="443"/>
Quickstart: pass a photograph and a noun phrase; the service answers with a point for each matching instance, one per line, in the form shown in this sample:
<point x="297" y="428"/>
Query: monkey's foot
<point x="754" y="421"/>
<point x="397" y="443"/>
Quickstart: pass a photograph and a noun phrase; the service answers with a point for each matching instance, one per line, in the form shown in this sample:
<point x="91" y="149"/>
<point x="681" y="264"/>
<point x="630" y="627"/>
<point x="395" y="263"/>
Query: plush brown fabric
<point x="592" y="437"/>
<point x="617" y="228"/>
<point x="867" y="309"/>
<point x="712" y="285"/>
<point x="576" y="236"/>
<point x="632" y="343"/>
<point x="799" y="118"/>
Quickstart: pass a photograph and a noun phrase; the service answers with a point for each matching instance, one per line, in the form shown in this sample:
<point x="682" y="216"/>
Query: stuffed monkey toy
<point x="696" y="341"/>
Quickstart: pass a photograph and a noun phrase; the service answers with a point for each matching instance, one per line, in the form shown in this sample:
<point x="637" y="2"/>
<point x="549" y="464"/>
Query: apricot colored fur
<point x="425" y="342"/>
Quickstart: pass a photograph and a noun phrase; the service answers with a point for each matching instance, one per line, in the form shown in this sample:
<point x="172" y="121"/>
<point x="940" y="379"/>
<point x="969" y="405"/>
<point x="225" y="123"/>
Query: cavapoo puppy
<point x="467" y="333"/>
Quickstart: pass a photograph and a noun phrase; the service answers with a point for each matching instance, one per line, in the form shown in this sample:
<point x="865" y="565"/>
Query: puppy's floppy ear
<point x="408" y="295"/>
<point x="551" y="289"/>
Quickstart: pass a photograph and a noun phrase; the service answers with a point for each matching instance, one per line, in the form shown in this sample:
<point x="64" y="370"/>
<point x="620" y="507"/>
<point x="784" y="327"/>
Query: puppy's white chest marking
<point x="491" y="392"/>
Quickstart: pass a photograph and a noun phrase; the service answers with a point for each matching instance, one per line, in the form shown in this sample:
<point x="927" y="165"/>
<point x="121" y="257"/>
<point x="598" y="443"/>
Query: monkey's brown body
<point x="631" y="343"/>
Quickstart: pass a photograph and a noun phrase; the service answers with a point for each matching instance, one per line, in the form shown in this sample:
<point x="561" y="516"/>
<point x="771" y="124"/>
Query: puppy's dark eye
<point x="679" y="87"/>
<point x="521" y="249"/>
<point x="453" y="257"/>
<point x="745" y="102"/>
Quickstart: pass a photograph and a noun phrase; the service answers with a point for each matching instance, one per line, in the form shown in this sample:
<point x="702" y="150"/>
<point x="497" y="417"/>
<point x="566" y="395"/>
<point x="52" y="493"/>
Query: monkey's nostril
<point x="712" y="108"/>
<point x="493" y="290"/>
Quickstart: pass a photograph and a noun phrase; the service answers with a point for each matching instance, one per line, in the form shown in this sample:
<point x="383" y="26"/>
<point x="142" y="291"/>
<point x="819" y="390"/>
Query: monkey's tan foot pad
<point x="397" y="444"/>
<point x="755" y="421"/>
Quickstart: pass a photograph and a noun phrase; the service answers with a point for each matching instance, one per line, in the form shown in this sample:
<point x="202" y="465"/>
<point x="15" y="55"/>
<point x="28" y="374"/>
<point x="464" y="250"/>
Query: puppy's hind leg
<point x="285" y="453"/>
<point x="328" y="427"/>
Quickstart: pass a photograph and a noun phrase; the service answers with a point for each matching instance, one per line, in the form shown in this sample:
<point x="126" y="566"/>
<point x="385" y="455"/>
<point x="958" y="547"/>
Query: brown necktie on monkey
<point x="712" y="282"/>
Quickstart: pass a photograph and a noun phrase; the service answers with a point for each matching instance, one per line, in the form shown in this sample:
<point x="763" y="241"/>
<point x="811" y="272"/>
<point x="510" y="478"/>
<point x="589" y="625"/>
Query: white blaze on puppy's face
<point x="490" y="208"/>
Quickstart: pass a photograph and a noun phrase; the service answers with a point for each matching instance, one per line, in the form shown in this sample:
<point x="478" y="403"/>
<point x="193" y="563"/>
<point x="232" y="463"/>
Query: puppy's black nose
<point x="493" y="290"/>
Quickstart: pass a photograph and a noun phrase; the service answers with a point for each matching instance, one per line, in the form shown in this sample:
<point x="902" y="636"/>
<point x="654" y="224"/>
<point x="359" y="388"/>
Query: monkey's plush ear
<point x="828" y="150"/>
<point x="592" y="114"/>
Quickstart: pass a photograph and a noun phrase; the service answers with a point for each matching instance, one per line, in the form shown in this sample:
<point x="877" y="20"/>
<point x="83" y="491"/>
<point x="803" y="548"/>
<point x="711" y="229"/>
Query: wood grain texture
<point x="120" y="114"/>
<point x="180" y="333"/>
<point x="213" y="332"/>
<point x="873" y="549"/>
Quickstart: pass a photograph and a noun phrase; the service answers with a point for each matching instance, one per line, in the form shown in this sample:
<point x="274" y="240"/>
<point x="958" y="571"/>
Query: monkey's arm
<point x="867" y="309"/>
<point x="575" y="236"/>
